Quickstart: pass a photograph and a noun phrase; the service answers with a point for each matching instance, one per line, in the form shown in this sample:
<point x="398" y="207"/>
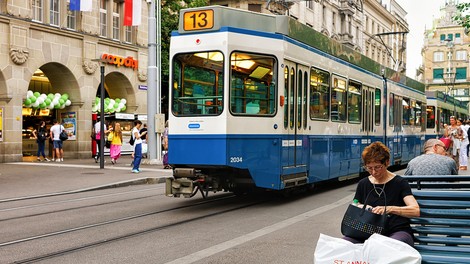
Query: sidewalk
<point x="33" y="178"/>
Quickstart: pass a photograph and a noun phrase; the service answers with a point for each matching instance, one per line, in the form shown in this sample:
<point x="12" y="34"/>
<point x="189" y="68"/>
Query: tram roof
<point x="213" y="18"/>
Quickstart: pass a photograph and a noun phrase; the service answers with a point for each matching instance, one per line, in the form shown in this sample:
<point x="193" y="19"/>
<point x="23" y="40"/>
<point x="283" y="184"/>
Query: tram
<point x="440" y="107"/>
<point x="263" y="101"/>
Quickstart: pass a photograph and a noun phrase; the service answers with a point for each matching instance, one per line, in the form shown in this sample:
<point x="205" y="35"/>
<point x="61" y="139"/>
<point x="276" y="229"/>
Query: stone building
<point x="368" y="26"/>
<point x="48" y="49"/>
<point x="446" y="55"/>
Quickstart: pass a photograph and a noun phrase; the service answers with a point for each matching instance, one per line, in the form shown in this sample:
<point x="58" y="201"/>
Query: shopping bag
<point x="331" y="250"/>
<point x="144" y="148"/>
<point x="382" y="249"/>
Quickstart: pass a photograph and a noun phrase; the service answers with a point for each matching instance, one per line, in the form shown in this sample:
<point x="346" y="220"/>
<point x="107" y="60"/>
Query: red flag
<point x="132" y="12"/>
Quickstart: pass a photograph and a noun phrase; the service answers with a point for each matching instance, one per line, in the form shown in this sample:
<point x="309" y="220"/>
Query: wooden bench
<point x="442" y="232"/>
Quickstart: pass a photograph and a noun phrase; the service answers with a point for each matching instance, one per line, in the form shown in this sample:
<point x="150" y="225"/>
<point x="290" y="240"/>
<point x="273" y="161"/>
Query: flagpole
<point x="154" y="153"/>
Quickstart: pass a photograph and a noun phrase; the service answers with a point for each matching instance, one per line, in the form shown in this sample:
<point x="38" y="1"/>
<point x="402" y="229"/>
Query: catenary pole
<point x="153" y="83"/>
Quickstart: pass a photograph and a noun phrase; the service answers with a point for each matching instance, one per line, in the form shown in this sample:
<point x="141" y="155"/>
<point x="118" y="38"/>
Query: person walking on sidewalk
<point x="137" y="145"/>
<point x="116" y="142"/>
<point x="97" y="131"/>
<point x="56" y="129"/>
<point x="40" y="135"/>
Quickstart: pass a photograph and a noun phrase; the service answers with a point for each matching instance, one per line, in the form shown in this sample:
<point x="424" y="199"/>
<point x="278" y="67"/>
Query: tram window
<point x="354" y="102"/>
<point x="377" y="106"/>
<point x="338" y="100"/>
<point x="291" y="102"/>
<point x="304" y="99"/>
<point x="430" y="116"/>
<point x="391" y="111"/>
<point x="407" y="114"/>
<point x="417" y="112"/>
<point x="197" y="84"/>
<point x="253" y="84"/>
<point x="319" y="94"/>
<point x="299" y="99"/>
<point x="287" y="98"/>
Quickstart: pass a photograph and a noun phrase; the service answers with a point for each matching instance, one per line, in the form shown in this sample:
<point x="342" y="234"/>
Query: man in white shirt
<point x="56" y="129"/>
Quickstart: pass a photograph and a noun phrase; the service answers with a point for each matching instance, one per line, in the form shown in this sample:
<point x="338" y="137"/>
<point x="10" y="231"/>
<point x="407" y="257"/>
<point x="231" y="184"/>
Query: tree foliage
<point x="170" y="16"/>
<point x="463" y="17"/>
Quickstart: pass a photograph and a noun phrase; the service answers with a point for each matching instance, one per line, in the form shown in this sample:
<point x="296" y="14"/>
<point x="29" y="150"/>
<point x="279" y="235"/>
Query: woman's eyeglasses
<point x="372" y="168"/>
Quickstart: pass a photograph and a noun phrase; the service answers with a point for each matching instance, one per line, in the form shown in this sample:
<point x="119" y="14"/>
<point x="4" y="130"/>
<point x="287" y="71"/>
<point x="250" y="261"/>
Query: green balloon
<point x="116" y="106"/>
<point x="47" y="101"/>
<point x="57" y="106"/>
<point x="123" y="108"/>
<point x="42" y="106"/>
<point x="61" y="101"/>
<point x="33" y="99"/>
<point x="50" y="96"/>
<point x="27" y="101"/>
<point x="65" y="96"/>
<point x="117" y="100"/>
<point x="36" y="94"/>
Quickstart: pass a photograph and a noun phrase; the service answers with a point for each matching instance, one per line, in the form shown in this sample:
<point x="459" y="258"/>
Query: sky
<point x="420" y="16"/>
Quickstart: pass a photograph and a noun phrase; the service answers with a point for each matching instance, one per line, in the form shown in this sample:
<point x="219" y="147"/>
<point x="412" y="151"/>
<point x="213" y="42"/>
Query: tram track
<point x="124" y="236"/>
<point x="81" y="199"/>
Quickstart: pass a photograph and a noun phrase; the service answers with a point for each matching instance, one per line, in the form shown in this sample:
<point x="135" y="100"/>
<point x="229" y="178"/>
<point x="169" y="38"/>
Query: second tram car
<point x="263" y="101"/>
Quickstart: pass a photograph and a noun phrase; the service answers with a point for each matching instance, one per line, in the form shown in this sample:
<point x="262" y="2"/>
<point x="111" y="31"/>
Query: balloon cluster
<point x="49" y="101"/>
<point x="110" y="105"/>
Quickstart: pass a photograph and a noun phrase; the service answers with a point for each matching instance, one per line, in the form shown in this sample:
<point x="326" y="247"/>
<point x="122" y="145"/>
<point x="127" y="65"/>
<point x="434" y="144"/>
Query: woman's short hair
<point x="376" y="152"/>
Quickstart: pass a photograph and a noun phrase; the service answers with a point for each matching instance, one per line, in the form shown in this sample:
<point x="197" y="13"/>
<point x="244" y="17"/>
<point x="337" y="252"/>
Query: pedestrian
<point x="40" y="135"/>
<point x="454" y="132"/>
<point x="463" y="158"/>
<point x="165" y="146"/>
<point x="97" y="131"/>
<point x="56" y="129"/>
<point x="137" y="145"/>
<point x="144" y="140"/>
<point x="116" y="142"/>
<point x="383" y="187"/>
<point x="434" y="161"/>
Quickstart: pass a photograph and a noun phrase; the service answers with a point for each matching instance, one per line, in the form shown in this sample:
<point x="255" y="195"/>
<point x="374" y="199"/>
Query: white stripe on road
<point x="258" y="233"/>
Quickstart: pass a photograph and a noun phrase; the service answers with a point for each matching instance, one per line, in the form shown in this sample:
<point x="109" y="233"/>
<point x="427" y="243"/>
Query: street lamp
<point x="101" y="150"/>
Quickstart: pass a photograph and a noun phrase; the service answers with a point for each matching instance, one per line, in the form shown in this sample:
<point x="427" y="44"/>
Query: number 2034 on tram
<point x="262" y="101"/>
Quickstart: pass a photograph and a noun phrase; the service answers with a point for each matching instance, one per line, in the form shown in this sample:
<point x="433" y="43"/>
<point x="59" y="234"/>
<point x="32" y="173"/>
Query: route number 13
<point x="197" y="20"/>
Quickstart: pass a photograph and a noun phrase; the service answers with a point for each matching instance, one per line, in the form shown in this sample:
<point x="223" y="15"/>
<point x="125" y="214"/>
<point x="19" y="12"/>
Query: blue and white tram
<point x="256" y="101"/>
<point x="440" y="107"/>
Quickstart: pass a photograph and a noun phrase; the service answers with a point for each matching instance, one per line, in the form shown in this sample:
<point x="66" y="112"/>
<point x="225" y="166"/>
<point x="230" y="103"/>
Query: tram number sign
<point x="197" y="20"/>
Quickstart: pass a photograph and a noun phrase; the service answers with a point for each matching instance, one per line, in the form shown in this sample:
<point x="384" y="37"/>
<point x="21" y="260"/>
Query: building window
<point x="116" y="20"/>
<point x="443" y="37"/>
<point x="128" y="34"/>
<point x="334" y="22"/>
<point x="309" y="4"/>
<point x="323" y="15"/>
<point x="37" y="7"/>
<point x="438" y="73"/>
<point x="254" y="7"/>
<point x="71" y="18"/>
<point x="438" y="56"/>
<point x="450" y="37"/>
<point x="54" y="13"/>
<point x="457" y="36"/>
<point x="461" y="55"/>
<point x="461" y="73"/>
<point x="103" y="18"/>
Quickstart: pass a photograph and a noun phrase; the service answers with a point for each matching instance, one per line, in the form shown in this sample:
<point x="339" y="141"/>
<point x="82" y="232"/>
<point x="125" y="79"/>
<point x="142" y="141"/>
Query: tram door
<point x="295" y="119"/>
<point x="368" y="103"/>
<point x="396" y="121"/>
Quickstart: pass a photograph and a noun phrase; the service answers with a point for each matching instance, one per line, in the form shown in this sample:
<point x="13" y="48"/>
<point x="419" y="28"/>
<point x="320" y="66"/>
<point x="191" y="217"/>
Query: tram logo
<point x="120" y="61"/>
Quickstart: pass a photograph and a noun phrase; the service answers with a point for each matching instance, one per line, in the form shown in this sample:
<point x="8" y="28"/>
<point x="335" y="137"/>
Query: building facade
<point x="368" y="26"/>
<point x="446" y="55"/>
<point x="47" y="49"/>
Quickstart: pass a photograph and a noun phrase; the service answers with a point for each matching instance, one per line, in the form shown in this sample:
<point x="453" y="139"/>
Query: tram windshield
<point x="197" y="84"/>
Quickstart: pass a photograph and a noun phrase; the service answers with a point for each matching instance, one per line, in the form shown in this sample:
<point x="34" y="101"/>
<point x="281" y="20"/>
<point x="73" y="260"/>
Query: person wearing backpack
<point x="56" y="129"/>
<point x="137" y="137"/>
<point x="41" y="135"/>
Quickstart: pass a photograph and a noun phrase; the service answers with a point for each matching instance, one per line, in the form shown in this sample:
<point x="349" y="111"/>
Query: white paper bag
<point x="332" y="250"/>
<point x="382" y="249"/>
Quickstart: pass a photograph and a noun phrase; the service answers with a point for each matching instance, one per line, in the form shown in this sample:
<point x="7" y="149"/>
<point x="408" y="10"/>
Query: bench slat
<point x="436" y="258"/>
<point x="442" y="194"/>
<point x="445" y="213"/>
<point x="451" y="231"/>
<point x="444" y="204"/>
<point x="454" y="241"/>
<point x="441" y="221"/>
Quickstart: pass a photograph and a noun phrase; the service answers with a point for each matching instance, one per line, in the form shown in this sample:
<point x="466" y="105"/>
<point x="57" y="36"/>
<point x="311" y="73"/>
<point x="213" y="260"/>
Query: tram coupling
<point x="187" y="182"/>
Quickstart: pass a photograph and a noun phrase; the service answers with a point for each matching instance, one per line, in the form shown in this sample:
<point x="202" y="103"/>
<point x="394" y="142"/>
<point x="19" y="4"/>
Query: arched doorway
<point x="52" y="91"/>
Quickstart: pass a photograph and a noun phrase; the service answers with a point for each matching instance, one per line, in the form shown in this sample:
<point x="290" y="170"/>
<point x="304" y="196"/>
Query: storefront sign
<point x="120" y="61"/>
<point x="69" y="121"/>
<point x="1" y="124"/>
